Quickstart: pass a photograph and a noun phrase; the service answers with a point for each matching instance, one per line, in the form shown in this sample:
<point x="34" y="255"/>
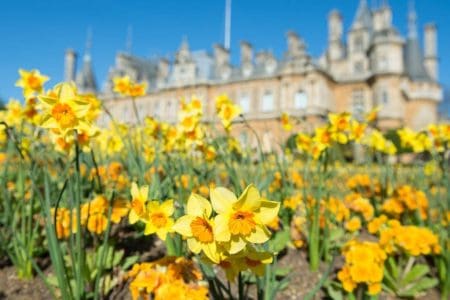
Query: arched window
<point x="358" y="104"/>
<point x="300" y="100"/>
<point x="267" y="102"/>
<point x="359" y="44"/>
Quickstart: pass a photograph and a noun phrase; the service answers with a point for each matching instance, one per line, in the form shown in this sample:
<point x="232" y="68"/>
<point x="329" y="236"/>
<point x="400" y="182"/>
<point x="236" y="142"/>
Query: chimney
<point x="335" y="32"/>
<point x="70" y="64"/>
<point x="246" y="53"/>
<point x="221" y="56"/>
<point x="335" y="27"/>
<point x="431" y="58"/>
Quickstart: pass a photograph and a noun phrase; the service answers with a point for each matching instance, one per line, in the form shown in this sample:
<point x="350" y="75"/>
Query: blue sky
<point x="35" y="34"/>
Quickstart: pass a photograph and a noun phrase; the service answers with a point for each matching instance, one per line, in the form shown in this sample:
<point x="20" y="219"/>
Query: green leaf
<point x="334" y="291"/>
<point x="421" y="286"/>
<point x="129" y="261"/>
<point x="281" y="272"/>
<point x="118" y="255"/>
<point x="279" y="241"/>
<point x="416" y="272"/>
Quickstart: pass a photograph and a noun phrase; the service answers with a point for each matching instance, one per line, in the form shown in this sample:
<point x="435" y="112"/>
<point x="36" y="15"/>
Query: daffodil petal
<point x="221" y="230"/>
<point x="268" y="211"/>
<point x="259" y="235"/>
<point x="236" y="244"/>
<point x="183" y="225"/>
<point x="194" y="245"/>
<point x="222" y="199"/>
<point x="167" y="207"/>
<point x="198" y="206"/>
<point x="249" y="200"/>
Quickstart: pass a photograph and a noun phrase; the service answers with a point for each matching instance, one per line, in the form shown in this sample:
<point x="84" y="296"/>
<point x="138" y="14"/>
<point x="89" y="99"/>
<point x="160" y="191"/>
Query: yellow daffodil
<point x="64" y="109"/>
<point x="285" y="122"/>
<point x="31" y="82"/>
<point x="242" y="220"/>
<point x="138" y="208"/>
<point x="122" y="85"/>
<point x="198" y="227"/>
<point x="159" y="219"/>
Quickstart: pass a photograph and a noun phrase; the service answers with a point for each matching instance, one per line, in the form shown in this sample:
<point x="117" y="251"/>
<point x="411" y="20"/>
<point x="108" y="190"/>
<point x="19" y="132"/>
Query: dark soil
<point x="13" y="288"/>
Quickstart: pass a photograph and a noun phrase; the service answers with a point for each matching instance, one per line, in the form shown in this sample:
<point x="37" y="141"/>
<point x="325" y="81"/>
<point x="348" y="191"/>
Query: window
<point x="384" y="97"/>
<point x="156" y="109"/>
<point x="300" y="100"/>
<point x="267" y="102"/>
<point x="244" y="102"/>
<point x="358" y="104"/>
<point x="358" y="67"/>
<point x="382" y="63"/>
<point x="358" y="44"/>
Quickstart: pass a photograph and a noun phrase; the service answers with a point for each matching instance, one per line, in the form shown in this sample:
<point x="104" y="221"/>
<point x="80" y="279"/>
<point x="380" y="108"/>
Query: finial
<point x="412" y="20"/>
<point x="129" y="41"/>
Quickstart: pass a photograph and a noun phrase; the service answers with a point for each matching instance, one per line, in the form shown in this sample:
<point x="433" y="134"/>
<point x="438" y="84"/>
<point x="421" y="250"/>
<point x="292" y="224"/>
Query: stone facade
<point x="372" y="65"/>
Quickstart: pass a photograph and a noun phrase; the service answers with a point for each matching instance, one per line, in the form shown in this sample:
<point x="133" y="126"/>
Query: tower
<point x="430" y="46"/>
<point x="335" y="31"/>
<point x="70" y="63"/>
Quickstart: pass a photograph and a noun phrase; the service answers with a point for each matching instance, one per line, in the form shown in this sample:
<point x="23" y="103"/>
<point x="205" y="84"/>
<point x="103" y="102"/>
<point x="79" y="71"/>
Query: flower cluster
<point x="127" y="87"/>
<point x="227" y="238"/>
<point x="227" y="111"/>
<point x="94" y="215"/>
<point x="155" y="215"/>
<point x="410" y="239"/>
<point x="364" y="264"/>
<point x="406" y="199"/>
<point x="167" y="278"/>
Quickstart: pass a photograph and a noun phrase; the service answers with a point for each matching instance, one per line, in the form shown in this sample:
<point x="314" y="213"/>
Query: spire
<point x="88" y="46"/>
<point x="85" y="79"/>
<point x="363" y="17"/>
<point x="129" y="41"/>
<point x="412" y="21"/>
<point x="227" y="31"/>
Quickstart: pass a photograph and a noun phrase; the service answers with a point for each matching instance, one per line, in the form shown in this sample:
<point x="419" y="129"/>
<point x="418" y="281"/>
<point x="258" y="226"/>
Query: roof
<point x="413" y="58"/>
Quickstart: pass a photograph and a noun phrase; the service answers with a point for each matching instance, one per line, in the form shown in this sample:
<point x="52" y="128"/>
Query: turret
<point x="431" y="58"/>
<point x="70" y="63"/>
<point x="335" y="31"/>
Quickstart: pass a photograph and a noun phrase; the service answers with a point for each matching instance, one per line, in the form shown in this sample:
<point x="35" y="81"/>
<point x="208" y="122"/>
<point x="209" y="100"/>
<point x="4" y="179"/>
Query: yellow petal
<point x="198" y="206"/>
<point x="222" y="199"/>
<point x="259" y="235"/>
<point x="162" y="233"/>
<point x="221" y="230"/>
<point x="268" y="211"/>
<point x="132" y="217"/>
<point x="236" y="244"/>
<point x="149" y="229"/>
<point x="167" y="207"/>
<point x="183" y="225"/>
<point x="134" y="190"/>
<point x="194" y="245"/>
<point x="249" y="200"/>
<point x="210" y="250"/>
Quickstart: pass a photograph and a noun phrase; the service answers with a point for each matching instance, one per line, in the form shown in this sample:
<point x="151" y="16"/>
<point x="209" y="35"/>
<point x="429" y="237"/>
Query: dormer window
<point x="267" y="102"/>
